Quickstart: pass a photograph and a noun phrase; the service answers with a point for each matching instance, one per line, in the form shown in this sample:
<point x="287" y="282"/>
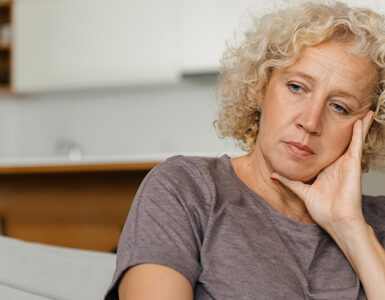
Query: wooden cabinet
<point x="83" y="206"/>
<point x="75" y="44"/>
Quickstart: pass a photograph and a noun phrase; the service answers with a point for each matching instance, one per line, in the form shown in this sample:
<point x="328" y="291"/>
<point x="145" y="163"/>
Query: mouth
<point x="299" y="149"/>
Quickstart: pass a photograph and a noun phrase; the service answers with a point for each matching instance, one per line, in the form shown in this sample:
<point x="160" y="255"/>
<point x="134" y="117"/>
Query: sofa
<point x="35" y="271"/>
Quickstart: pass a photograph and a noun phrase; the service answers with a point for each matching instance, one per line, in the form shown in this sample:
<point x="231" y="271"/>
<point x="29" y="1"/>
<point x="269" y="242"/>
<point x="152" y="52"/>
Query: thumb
<point x="297" y="187"/>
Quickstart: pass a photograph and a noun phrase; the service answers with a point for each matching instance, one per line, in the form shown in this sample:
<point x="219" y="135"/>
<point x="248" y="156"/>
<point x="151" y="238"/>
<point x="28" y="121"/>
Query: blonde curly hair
<point x="275" y="41"/>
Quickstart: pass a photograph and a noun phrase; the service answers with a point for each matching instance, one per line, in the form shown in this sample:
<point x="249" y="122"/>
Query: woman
<point x="305" y="97"/>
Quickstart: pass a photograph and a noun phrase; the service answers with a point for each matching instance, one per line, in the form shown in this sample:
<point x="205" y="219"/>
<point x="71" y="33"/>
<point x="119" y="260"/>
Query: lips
<point x="299" y="149"/>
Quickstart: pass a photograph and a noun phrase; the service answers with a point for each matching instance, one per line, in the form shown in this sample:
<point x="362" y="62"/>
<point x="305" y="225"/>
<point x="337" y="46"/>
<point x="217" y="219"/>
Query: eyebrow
<point x="307" y="76"/>
<point x="311" y="78"/>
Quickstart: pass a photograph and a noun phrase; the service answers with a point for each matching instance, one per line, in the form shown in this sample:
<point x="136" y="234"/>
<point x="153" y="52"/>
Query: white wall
<point x="153" y="121"/>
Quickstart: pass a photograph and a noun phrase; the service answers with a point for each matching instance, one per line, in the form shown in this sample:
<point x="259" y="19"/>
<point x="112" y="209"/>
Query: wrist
<point x="347" y="226"/>
<point x="350" y="236"/>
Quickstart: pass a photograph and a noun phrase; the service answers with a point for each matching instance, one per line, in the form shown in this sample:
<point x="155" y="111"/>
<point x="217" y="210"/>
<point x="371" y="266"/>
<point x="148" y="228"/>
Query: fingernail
<point x="273" y="178"/>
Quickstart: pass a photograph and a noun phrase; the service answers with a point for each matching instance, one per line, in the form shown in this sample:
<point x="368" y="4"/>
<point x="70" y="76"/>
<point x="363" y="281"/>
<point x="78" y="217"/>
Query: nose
<point x="310" y="117"/>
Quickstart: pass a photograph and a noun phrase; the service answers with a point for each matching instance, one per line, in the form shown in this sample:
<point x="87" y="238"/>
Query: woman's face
<point x="314" y="104"/>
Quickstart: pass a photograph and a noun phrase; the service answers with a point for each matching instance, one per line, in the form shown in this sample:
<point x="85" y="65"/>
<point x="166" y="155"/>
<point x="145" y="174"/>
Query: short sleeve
<point x="164" y="222"/>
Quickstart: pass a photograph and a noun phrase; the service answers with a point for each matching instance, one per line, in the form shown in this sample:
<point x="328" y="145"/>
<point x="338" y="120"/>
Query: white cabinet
<point x="62" y="44"/>
<point x="205" y="26"/>
<point x="65" y="44"/>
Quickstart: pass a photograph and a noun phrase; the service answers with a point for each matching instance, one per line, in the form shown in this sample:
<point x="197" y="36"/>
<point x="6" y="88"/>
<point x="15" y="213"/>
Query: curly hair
<point x="275" y="41"/>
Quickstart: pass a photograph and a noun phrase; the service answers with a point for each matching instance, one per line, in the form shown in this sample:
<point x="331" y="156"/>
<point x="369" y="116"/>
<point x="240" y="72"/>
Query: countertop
<point x="28" y="165"/>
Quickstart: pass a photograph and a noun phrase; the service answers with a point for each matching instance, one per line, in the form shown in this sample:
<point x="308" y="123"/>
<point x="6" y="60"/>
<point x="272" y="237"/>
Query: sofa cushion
<point x="40" y="271"/>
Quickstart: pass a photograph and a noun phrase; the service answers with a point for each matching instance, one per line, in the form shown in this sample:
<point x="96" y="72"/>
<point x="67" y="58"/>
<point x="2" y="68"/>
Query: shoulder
<point x="374" y="211"/>
<point x="202" y="164"/>
<point x="184" y="178"/>
<point x="196" y="169"/>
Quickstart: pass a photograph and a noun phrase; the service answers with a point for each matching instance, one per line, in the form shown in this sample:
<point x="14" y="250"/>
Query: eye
<point x="339" y="108"/>
<point x="294" y="87"/>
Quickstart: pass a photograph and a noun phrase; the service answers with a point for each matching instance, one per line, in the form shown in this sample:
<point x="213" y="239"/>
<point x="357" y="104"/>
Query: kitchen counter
<point x="74" y="168"/>
<point x="87" y="164"/>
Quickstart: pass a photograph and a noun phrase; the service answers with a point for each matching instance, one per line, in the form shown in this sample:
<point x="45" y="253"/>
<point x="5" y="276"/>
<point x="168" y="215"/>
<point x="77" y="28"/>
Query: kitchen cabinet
<point x="70" y="44"/>
<point x="205" y="26"/>
<point x="79" y="206"/>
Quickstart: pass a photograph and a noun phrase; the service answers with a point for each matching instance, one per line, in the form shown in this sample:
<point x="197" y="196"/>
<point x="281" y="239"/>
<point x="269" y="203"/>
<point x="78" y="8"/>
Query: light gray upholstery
<point x="36" y="271"/>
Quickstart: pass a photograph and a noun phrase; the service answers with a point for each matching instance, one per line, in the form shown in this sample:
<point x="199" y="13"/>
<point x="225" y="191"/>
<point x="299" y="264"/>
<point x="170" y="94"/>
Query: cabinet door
<point x="61" y="44"/>
<point x="205" y="26"/>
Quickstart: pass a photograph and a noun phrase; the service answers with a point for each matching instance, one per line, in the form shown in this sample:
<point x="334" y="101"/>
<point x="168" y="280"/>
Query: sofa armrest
<point x="53" y="272"/>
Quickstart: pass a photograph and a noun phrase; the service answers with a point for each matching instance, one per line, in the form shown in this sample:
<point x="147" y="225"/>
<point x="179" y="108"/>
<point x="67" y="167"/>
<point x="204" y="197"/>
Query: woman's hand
<point x="334" y="200"/>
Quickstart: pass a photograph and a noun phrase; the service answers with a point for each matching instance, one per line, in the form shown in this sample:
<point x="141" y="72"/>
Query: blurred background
<point x="94" y="94"/>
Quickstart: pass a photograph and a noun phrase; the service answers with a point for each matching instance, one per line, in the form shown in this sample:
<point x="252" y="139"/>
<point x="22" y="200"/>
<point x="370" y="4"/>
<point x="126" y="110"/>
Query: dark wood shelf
<point x="108" y="167"/>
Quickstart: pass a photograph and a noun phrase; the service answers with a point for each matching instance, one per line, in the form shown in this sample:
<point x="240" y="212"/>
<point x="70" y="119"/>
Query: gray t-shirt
<point x="196" y="216"/>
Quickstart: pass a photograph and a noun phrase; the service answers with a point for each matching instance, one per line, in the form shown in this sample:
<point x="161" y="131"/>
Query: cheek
<point x="269" y="124"/>
<point x="338" y="139"/>
<point x="273" y="113"/>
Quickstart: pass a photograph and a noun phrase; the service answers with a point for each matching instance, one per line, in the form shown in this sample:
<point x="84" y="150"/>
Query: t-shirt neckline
<point x="280" y="219"/>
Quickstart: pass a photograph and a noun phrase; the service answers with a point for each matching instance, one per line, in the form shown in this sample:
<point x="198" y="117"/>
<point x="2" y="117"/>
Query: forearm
<point x="367" y="257"/>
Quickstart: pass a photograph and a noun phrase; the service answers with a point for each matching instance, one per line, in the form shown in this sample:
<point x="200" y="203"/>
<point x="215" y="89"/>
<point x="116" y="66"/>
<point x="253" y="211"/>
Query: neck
<point x="255" y="173"/>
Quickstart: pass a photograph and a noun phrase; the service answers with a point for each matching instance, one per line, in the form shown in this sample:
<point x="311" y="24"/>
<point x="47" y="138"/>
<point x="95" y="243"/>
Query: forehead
<point x="332" y="64"/>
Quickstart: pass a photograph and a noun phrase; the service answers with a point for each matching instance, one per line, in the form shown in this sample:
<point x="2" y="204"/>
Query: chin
<point x="297" y="173"/>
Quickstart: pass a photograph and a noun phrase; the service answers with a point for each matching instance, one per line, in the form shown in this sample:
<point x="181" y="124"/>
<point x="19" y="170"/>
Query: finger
<point x="366" y="123"/>
<point x="355" y="147"/>
<point x="360" y="131"/>
<point x="296" y="186"/>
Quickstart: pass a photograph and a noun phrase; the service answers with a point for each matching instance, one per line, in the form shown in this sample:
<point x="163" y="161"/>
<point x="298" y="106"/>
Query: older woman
<point x="305" y="97"/>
